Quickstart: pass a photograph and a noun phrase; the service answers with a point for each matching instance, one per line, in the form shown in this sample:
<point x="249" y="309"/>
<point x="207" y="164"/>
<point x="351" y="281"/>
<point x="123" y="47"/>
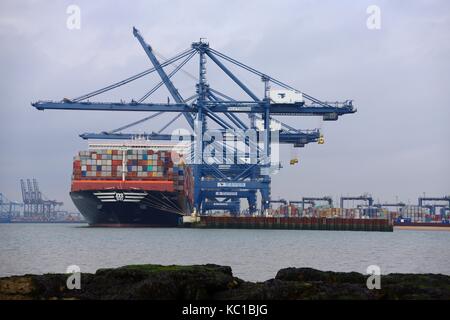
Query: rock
<point x="308" y="275"/>
<point x="199" y="282"/>
<point x="17" y="288"/>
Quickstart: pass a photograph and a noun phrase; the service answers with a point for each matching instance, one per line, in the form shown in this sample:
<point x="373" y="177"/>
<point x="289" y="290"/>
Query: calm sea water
<point x="254" y="255"/>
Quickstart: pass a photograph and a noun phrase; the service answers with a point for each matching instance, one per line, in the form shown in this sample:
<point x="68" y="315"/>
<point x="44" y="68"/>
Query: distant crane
<point x="434" y="205"/>
<point x="9" y="208"/>
<point x="434" y="199"/>
<point x="391" y="205"/>
<point x="302" y="202"/>
<point x="35" y="203"/>
<point x="282" y="201"/>
<point x="329" y="200"/>
<point x="366" y="198"/>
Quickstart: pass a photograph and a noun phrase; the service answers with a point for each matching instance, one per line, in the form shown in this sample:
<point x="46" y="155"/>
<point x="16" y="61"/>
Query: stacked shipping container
<point x="130" y="164"/>
<point x="418" y="214"/>
<point x="413" y="213"/>
<point x="317" y="212"/>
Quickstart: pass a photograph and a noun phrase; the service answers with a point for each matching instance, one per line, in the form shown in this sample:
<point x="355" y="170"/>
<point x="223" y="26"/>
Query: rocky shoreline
<point x="214" y="282"/>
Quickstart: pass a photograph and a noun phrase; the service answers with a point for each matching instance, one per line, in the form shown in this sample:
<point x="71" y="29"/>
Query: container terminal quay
<point x="308" y="213"/>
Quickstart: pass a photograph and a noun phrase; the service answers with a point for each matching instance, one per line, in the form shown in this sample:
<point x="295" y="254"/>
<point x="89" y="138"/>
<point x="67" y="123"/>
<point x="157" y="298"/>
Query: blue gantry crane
<point x="435" y="202"/>
<point x="223" y="182"/>
<point x="302" y="202"/>
<point x="326" y="199"/>
<point x="35" y="203"/>
<point x="8" y="208"/>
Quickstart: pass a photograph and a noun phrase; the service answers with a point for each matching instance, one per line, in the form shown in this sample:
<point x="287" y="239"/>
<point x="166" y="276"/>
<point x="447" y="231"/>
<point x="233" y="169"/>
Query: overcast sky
<point x="396" y="145"/>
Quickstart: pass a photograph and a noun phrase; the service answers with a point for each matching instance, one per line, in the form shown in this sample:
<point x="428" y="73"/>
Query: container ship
<point x="131" y="184"/>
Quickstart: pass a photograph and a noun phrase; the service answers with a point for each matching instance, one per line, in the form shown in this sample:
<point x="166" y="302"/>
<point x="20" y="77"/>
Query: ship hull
<point x="129" y="208"/>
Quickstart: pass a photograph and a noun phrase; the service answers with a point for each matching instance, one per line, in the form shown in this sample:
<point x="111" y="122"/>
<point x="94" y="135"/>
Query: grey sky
<point x="396" y="145"/>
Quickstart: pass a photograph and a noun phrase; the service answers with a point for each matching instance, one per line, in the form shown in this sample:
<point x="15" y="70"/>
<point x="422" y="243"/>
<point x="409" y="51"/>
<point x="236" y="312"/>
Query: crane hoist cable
<point x="132" y="78"/>
<point x="190" y="75"/>
<point x="136" y="122"/>
<point x="178" y="67"/>
<point x="294" y="156"/>
<point x="261" y="74"/>
<point x="170" y="122"/>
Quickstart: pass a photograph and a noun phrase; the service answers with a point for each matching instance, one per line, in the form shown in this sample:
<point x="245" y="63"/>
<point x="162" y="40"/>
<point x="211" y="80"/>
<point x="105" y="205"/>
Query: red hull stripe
<point x="160" y="185"/>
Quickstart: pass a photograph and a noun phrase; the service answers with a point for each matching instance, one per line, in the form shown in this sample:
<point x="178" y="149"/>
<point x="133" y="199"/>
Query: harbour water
<point x="254" y="255"/>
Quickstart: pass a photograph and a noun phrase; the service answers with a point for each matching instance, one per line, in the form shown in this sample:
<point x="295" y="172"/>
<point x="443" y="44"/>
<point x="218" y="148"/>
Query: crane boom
<point x="168" y="83"/>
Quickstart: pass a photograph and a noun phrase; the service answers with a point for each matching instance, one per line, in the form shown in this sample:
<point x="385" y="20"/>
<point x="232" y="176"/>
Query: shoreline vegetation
<point x="214" y="282"/>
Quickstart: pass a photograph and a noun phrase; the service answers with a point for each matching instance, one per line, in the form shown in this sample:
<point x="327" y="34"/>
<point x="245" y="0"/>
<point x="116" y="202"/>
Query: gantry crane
<point x="34" y="201"/>
<point x="282" y="201"/>
<point x="435" y="203"/>
<point x="9" y="208"/>
<point x="210" y="106"/>
<point x="302" y="202"/>
<point x="365" y="198"/>
<point x="329" y="200"/>
<point x="421" y="200"/>
<point x="391" y="205"/>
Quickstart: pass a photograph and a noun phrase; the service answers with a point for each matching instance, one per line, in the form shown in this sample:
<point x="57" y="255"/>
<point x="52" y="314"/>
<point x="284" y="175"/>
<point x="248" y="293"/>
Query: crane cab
<point x="321" y="140"/>
<point x="283" y="96"/>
